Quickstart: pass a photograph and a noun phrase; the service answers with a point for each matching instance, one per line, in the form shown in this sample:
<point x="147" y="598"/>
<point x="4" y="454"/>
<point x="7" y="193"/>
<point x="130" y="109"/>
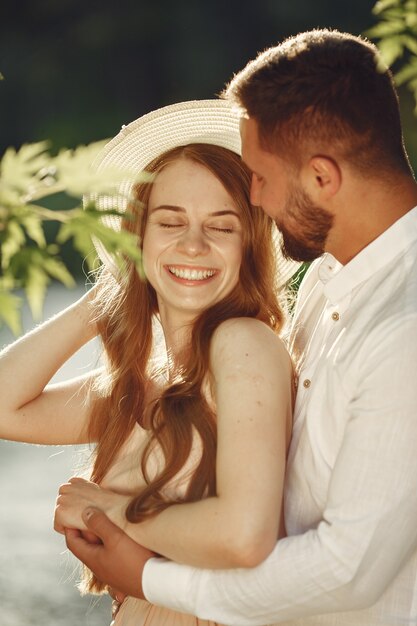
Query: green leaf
<point x="80" y="235"/>
<point x="407" y="73"/>
<point x="86" y="225"/>
<point x="33" y="226"/>
<point x="383" y="5"/>
<point x="10" y="315"/>
<point x="116" y="242"/>
<point x="411" y="22"/>
<point x="391" y="49"/>
<point x="27" y="262"/>
<point x="57" y="269"/>
<point x="410" y="7"/>
<point x="410" y="43"/>
<point x="18" y="169"/>
<point x="385" y="29"/>
<point x="32" y="268"/>
<point x="78" y="176"/>
<point x="9" y="196"/>
<point x="14" y="240"/>
<point x="37" y="282"/>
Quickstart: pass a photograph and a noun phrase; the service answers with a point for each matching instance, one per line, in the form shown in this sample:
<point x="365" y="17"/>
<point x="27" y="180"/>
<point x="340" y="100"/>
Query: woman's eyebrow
<point x="178" y="209"/>
<point x="168" y="207"/>
<point x="225" y="212"/>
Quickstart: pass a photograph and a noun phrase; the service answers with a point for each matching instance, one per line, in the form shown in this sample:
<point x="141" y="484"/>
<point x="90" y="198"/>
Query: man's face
<point x="278" y="190"/>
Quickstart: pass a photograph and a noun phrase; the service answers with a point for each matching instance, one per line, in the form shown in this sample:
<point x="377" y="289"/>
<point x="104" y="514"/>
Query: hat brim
<point x="213" y="122"/>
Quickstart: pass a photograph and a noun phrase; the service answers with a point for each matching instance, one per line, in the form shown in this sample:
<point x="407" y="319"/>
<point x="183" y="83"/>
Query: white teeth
<point x="191" y="274"/>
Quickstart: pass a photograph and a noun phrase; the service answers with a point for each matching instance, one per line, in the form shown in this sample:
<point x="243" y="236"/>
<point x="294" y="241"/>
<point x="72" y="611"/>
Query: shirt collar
<point x="340" y="280"/>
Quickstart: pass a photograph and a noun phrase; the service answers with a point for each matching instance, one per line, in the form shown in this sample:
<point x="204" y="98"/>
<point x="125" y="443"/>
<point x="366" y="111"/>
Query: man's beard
<point x="311" y="224"/>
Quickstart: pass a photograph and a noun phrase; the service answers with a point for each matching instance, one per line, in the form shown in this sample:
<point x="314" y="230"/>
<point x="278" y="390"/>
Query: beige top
<point x="125" y="476"/>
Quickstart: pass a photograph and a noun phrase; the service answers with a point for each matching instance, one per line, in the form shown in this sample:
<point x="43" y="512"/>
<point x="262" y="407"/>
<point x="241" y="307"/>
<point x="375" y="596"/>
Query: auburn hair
<point x="324" y="92"/>
<point x="125" y="312"/>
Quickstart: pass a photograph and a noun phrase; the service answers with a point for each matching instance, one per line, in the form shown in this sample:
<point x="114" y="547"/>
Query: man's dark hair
<point x="324" y="92"/>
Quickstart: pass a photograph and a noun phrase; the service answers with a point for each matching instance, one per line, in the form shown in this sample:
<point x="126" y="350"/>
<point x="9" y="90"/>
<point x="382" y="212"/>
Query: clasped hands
<point x="78" y="494"/>
<point x="115" y="559"/>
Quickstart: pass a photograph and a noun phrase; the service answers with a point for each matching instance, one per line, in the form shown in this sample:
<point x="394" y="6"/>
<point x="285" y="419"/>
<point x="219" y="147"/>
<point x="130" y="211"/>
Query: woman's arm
<point x="31" y="410"/>
<point x="238" y="527"/>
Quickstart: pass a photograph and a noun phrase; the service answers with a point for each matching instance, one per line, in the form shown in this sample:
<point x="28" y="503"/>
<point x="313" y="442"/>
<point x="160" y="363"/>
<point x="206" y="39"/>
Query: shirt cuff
<point x="168" y="584"/>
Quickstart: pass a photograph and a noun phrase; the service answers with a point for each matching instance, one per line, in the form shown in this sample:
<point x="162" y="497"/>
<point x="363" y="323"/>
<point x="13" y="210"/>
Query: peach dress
<point x="125" y="476"/>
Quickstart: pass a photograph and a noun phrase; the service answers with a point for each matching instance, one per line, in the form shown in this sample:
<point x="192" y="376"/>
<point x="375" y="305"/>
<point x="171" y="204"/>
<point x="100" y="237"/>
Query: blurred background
<point x="74" y="72"/>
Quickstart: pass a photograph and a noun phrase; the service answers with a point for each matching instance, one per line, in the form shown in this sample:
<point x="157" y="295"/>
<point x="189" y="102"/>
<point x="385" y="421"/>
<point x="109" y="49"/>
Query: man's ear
<point x="321" y="178"/>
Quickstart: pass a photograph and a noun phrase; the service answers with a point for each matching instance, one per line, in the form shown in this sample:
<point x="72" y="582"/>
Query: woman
<point x="182" y="447"/>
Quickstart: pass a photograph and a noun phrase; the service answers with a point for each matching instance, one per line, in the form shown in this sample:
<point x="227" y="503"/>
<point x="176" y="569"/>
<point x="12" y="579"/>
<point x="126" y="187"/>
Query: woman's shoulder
<point x="241" y="327"/>
<point x="241" y="334"/>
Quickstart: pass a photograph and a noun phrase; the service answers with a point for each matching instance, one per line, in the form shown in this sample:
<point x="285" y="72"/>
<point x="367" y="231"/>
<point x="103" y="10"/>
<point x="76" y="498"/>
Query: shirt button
<point x="306" y="383"/>
<point x="335" y="316"/>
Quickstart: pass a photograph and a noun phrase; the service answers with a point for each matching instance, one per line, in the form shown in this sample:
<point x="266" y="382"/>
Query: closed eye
<point x="221" y="230"/>
<point x="164" y="225"/>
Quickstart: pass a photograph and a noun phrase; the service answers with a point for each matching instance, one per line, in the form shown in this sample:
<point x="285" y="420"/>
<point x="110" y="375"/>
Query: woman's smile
<point x="191" y="275"/>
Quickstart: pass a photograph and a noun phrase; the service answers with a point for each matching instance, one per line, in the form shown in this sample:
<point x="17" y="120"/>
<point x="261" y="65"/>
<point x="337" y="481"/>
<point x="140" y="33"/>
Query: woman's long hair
<point x="125" y="312"/>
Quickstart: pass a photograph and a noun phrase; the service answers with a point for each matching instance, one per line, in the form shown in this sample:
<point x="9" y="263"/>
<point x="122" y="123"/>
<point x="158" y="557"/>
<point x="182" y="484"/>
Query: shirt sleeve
<point x="369" y="527"/>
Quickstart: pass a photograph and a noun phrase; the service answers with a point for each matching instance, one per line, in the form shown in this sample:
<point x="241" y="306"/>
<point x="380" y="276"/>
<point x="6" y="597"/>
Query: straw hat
<point x="138" y="143"/>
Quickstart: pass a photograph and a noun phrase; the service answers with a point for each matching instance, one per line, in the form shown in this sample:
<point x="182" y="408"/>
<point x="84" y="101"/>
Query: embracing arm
<point x="239" y="526"/>
<point x="368" y="530"/>
<point x="31" y="410"/>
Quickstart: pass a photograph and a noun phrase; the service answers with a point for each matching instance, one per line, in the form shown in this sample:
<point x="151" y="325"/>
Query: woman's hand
<point x="77" y="494"/>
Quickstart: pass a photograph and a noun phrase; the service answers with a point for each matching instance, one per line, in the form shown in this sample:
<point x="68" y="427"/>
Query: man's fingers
<point x="72" y="533"/>
<point x="90" y="537"/>
<point x="80" y="547"/>
<point x="117" y="560"/>
<point x="99" y="524"/>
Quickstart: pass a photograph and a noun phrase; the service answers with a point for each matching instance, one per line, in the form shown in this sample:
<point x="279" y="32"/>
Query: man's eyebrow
<point x="178" y="209"/>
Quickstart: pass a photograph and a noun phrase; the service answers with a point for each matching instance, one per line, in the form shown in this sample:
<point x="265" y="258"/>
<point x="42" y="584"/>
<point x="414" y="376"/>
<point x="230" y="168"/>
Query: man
<point x="321" y="132"/>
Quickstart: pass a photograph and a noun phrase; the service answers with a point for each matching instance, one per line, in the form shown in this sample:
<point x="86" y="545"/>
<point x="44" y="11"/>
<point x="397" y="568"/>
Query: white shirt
<point x="351" y="490"/>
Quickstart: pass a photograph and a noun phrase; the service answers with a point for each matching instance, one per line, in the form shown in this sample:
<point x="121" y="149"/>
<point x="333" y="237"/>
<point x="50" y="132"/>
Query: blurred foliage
<point x="75" y="71"/>
<point x="27" y="261"/>
<point x="396" y="37"/>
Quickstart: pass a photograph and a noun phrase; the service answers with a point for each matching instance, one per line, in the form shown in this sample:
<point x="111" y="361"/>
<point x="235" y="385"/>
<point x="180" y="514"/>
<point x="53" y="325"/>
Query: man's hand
<point x="117" y="560"/>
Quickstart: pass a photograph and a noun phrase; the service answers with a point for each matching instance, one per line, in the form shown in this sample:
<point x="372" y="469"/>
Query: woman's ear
<point x="321" y="178"/>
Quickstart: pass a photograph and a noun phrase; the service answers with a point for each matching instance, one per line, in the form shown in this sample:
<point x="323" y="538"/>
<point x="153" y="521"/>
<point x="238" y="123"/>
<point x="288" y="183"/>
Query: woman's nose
<point x="193" y="243"/>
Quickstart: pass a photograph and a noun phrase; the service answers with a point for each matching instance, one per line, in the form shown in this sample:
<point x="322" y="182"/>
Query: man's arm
<point x="369" y="526"/>
<point x="115" y="559"/>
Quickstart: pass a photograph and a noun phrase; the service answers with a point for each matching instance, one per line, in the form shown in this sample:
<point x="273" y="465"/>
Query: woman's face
<point x="192" y="246"/>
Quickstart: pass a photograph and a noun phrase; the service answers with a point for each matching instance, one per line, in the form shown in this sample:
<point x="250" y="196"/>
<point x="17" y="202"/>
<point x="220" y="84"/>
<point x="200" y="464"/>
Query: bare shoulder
<point x="246" y="330"/>
<point x="243" y="339"/>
